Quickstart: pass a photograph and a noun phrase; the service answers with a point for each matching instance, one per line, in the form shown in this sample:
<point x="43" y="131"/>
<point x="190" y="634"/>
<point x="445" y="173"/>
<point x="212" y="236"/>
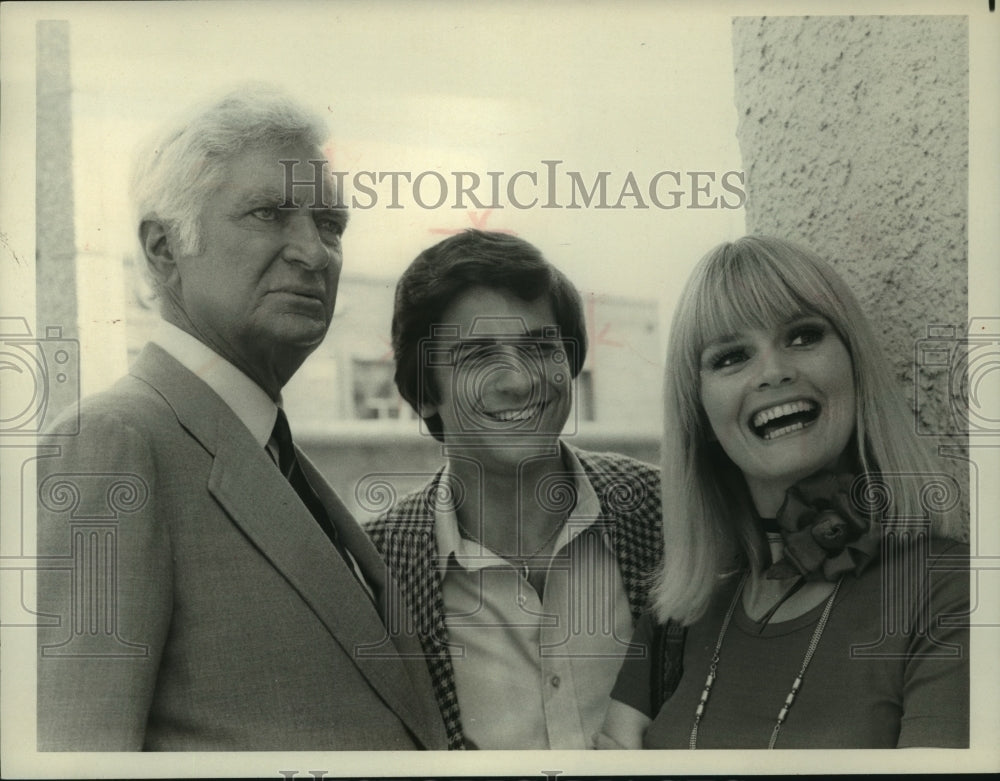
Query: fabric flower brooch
<point x="826" y="534"/>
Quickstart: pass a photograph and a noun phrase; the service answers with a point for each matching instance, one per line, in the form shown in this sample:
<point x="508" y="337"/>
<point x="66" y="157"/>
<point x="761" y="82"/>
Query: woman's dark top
<point x="890" y="670"/>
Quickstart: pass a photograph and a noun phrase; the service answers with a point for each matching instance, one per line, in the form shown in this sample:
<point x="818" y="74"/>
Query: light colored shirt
<point x="535" y="673"/>
<point x="243" y="396"/>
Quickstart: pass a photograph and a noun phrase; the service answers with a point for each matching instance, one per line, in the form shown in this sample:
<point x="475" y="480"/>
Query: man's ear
<point x="427" y="410"/>
<point x="158" y="246"/>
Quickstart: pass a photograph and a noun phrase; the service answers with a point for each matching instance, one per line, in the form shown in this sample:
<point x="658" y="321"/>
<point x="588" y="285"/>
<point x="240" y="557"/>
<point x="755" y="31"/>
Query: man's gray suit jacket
<point x="188" y="600"/>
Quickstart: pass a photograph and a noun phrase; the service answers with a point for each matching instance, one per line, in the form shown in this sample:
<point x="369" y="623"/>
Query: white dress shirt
<point x="535" y="673"/>
<point x="243" y="396"/>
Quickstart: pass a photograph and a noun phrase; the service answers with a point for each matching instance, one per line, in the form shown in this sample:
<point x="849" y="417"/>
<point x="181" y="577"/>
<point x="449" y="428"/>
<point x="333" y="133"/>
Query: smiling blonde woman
<point x="810" y="553"/>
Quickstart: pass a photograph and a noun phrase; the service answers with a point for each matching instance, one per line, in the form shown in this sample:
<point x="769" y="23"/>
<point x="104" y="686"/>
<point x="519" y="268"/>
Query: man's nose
<point x="775" y="368"/>
<point x="513" y="372"/>
<point x="303" y="243"/>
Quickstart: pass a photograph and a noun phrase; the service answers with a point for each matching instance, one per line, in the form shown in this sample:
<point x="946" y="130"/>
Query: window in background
<point x="375" y="394"/>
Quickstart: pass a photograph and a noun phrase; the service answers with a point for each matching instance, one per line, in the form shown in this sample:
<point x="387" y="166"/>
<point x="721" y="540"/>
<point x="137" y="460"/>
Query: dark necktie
<point x="288" y="463"/>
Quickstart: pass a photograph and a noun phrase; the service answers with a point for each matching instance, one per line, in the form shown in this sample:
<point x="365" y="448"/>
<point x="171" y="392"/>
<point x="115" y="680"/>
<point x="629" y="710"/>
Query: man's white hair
<point x="178" y="169"/>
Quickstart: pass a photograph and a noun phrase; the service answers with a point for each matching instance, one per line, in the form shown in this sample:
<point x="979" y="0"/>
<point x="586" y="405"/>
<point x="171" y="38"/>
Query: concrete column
<point x="854" y="136"/>
<point x="55" y="262"/>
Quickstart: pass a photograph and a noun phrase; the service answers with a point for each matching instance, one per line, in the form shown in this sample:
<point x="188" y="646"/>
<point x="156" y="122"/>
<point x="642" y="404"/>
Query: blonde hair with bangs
<point x="709" y="525"/>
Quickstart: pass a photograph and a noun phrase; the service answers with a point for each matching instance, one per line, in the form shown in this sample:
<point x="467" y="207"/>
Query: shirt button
<point x="554" y="680"/>
<point x="521" y="599"/>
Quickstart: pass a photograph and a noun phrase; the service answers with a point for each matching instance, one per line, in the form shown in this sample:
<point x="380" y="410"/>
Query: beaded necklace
<point x="796" y="684"/>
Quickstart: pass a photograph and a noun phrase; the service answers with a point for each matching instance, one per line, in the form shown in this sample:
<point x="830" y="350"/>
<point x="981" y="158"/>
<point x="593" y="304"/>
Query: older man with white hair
<point x="236" y="605"/>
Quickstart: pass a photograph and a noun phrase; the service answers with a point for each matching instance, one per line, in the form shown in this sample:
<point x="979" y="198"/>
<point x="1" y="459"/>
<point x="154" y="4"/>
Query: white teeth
<point x="516" y="415"/>
<point x="782" y="431"/>
<point x="780" y="411"/>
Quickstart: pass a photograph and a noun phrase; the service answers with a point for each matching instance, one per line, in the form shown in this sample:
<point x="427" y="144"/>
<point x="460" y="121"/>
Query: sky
<point x="535" y="95"/>
<point x="638" y="90"/>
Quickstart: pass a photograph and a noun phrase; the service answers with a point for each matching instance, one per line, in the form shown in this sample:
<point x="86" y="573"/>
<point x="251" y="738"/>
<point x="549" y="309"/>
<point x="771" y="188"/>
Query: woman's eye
<point x="806" y="335"/>
<point x="726" y="358"/>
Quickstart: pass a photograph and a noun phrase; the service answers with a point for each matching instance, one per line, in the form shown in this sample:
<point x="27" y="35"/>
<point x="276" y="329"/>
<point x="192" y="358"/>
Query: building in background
<point x="346" y="412"/>
<point x="349" y="379"/>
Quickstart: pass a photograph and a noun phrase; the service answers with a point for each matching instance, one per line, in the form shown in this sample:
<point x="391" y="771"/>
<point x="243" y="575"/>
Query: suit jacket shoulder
<point x="234" y="624"/>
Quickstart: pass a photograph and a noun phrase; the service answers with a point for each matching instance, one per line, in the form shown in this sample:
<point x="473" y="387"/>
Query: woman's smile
<point x="780" y="400"/>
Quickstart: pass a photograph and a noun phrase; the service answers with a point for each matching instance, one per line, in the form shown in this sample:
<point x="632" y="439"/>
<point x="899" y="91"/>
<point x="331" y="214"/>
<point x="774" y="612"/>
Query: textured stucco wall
<point x="854" y="136"/>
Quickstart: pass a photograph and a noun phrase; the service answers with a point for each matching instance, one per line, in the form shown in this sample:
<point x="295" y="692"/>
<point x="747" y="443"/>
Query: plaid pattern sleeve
<point x="630" y="498"/>
<point x="629" y="495"/>
<point x="404" y="536"/>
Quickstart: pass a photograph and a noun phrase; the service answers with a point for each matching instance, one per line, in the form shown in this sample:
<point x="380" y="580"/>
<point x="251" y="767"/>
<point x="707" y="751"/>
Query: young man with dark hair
<point x="523" y="559"/>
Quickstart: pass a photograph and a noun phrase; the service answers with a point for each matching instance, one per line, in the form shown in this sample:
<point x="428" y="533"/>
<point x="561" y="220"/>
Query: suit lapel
<point x="406" y="646"/>
<point x="265" y="506"/>
<point x="272" y="515"/>
<point x="352" y="536"/>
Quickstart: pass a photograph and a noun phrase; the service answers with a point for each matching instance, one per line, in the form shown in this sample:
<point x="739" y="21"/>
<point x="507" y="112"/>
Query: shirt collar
<point x="243" y="396"/>
<point x="450" y="542"/>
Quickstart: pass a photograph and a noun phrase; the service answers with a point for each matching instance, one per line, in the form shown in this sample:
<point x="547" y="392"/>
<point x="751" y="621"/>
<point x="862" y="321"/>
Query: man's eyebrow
<point x="272" y="195"/>
<point x="264" y="195"/>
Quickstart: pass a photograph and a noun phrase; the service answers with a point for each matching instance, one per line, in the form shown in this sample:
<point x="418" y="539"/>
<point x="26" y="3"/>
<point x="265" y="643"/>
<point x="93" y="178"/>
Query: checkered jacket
<point x="629" y="495"/>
